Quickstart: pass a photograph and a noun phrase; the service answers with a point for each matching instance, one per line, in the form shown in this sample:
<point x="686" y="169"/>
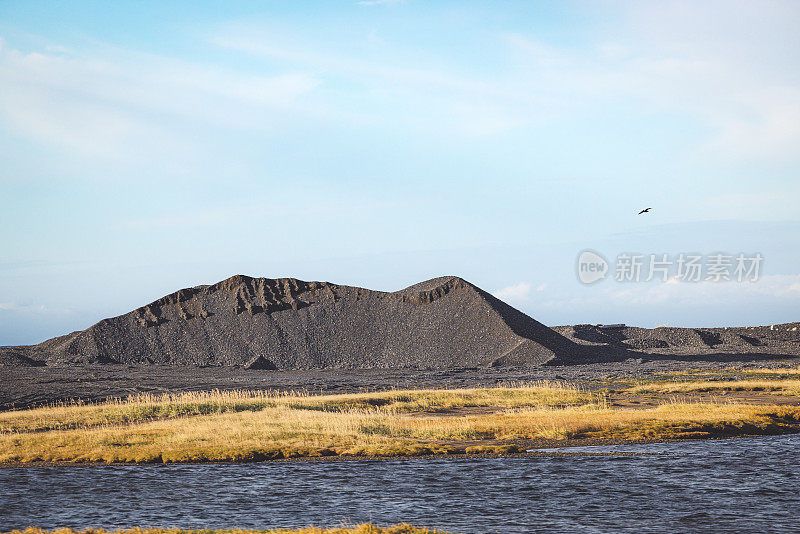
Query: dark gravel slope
<point x="779" y="340"/>
<point x="295" y="325"/>
<point x="443" y="323"/>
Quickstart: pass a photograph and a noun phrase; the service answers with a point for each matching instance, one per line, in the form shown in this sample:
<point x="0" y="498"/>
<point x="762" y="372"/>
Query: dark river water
<point x="741" y="485"/>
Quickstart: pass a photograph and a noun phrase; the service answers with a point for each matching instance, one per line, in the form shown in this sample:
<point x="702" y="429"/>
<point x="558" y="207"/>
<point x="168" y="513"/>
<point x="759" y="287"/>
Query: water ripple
<point x="742" y="485"/>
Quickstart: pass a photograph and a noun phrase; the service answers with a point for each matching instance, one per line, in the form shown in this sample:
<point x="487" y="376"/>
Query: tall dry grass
<point x="147" y="407"/>
<point x="783" y="387"/>
<point x="769" y="373"/>
<point x="253" y="426"/>
<point x="792" y="371"/>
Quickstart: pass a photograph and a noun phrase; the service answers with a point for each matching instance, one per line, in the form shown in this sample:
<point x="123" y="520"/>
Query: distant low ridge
<point x="290" y="324"/>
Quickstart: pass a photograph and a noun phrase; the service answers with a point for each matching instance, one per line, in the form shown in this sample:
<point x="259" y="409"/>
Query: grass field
<point x="247" y="426"/>
<point x="778" y="386"/>
<point x="768" y="373"/>
<point x="144" y="408"/>
<point x="787" y="372"/>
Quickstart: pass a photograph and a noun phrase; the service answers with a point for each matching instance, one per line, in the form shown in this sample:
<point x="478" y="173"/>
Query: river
<point x="742" y="485"/>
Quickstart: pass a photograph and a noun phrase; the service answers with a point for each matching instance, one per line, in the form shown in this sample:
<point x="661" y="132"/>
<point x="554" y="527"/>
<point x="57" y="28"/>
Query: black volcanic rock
<point x="780" y="340"/>
<point x="263" y="323"/>
<point x="261" y="363"/>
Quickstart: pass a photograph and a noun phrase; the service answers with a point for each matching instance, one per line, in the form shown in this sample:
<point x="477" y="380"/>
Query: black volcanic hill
<point x="291" y="324"/>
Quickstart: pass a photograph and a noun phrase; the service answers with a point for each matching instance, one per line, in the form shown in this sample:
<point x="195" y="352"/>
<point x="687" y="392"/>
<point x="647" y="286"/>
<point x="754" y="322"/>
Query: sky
<point x="150" y="146"/>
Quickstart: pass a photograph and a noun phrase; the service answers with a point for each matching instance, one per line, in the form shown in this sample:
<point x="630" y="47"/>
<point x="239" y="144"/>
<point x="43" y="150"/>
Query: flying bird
<point x="646" y="210"/>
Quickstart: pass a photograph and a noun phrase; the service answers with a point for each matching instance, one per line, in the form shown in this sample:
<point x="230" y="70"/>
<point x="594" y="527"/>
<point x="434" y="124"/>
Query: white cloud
<point x="777" y="203"/>
<point x="766" y="123"/>
<point x="732" y="69"/>
<point x="432" y="96"/>
<point x="122" y="104"/>
<point x="777" y="288"/>
<point x="706" y="60"/>
<point x="14" y="307"/>
<point x="733" y="63"/>
<point x="323" y="205"/>
<point x="752" y="111"/>
<point x="771" y="299"/>
<point x="516" y="294"/>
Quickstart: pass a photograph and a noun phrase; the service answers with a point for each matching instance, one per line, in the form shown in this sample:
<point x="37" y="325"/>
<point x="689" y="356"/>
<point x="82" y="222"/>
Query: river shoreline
<point x="541" y="451"/>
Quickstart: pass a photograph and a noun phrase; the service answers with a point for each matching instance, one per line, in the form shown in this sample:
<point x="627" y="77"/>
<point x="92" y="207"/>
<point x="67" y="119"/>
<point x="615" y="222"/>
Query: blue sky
<point x="147" y="147"/>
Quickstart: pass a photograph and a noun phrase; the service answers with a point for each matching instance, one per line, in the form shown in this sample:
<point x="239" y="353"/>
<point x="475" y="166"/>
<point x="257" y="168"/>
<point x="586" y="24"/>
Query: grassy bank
<point x="778" y="386"/>
<point x="242" y="426"/>
<point x="356" y="529"/>
<point x="753" y="372"/>
<point x="143" y="408"/>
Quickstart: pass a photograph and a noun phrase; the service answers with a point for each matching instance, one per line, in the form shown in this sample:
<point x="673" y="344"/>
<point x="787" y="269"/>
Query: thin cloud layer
<point x="376" y="142"/>
<point x="110" y="106"/>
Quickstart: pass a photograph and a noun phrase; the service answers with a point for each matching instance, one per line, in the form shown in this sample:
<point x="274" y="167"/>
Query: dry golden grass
<point x="364" y="528"/>
<point x="145" y="407"/>
<point x="770" y="373"/>
<point x="795" y="371"/>
<point x="258" y="426"/>
<point x="778" y="386"/>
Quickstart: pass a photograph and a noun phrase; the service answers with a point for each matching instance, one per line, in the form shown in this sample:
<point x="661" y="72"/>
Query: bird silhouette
<point x="646" y="210"/>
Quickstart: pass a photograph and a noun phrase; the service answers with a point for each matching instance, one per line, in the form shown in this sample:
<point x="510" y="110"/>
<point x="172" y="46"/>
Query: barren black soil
<point x="23" y="387"/>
